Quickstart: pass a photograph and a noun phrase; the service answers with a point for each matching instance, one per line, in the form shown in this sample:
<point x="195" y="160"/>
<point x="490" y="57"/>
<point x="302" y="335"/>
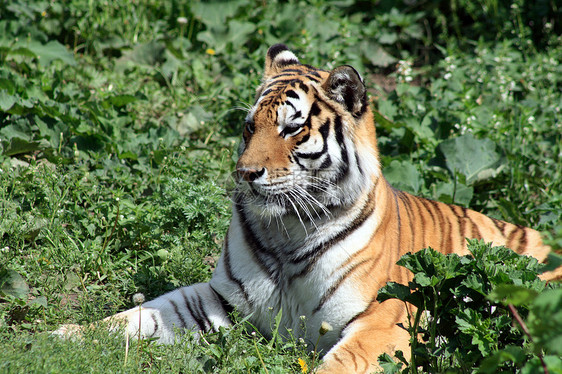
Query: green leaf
<point x="12" y="284"/>
<point x="388" y="365"/>
<point x="554" y="261"/>
<point x="151" y="53"/>
<point x="376" y="54"/>
<point x="512" y="294"/>
<point x="47" y="53"/>
<point x="215" y="13"/>
<point x="121" y="100"/>
<point x="40" y="300"/>
<point x="6" y="100"/>
<point x="509" y="354"/>
<point x="453" y="193"/>
<point x="18" y="146"/>
<point x="404" y="176"/>
<point x="476" y="159"/>
<point x="393" y="290"/>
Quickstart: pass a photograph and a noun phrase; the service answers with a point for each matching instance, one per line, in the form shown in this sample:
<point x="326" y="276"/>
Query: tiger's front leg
<point x="379" y="329"/>
<point x="195" y="308"/>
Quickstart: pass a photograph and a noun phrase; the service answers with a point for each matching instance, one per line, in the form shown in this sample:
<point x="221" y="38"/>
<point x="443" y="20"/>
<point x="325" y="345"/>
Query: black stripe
<point x="312" y="78"/>
<point x="260" y="253"/>
<point x="226" y="306"/>
<point x="201" y="312"/>
<point x="523" y="239"/>
<point x="500" y="225"/>
<point x="176" y="310"/>
<point x="228" y="269"/>
<point x="417" y="201"/>
<point x="287" y="102"/>
<point x="156" y="325"/>
<point x="293" y="70"/>
<point x="358" y="162"/>
<point x="304" y="139"/>
<point x="293" y="94"/>
<point x="297" y="114"/>
<point x="187" y="303"/>
<point x="407" y="205"/>
<point x="461" y="220"/>
<point x="344" y="165"/>
<point x="399" y="221"/>
<point x="449" y="238"/>
<point x="303" y="87"/>
<point x="359" y="315"/>
<point x="319" y="250"/>
<point x="441" y="220"/>
<point x="281" y="83"/>
<point x="511" y="237"/>
<point x="314" y="109"/>
<point x="330" y="292"/>
<point x="324" y="130"/>
<point x="291" y="61"/>
<point x="326" y="163"/>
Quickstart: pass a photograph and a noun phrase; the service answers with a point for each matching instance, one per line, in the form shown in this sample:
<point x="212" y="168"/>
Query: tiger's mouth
<point x="304" y="196"/>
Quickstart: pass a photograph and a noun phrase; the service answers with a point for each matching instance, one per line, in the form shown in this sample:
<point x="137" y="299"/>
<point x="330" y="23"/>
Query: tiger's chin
<point x="279" y="208"/>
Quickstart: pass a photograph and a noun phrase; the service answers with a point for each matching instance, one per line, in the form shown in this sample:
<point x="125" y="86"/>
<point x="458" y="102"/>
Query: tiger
<point x="316" y="229"/>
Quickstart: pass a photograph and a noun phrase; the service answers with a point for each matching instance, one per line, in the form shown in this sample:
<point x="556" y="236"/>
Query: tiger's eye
<point x="250" y="127"/>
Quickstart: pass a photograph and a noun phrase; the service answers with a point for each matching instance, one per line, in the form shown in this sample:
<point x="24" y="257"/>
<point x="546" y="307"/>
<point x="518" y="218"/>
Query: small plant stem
<point x="126" y="348"/>
<point x="112" y="229"/>
<point x="139" y="345"/>
<point x="259" y="356"/>
<point x="314" y="353"/>
<point x="521" y="323"/>
<point x="413" y="345"/>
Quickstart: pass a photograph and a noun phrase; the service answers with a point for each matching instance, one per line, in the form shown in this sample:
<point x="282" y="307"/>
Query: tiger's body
<point x="316" y="229"/>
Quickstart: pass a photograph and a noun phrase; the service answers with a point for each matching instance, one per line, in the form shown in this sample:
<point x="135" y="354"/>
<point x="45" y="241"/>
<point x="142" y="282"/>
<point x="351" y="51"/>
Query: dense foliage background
<point x="119" y="123"/>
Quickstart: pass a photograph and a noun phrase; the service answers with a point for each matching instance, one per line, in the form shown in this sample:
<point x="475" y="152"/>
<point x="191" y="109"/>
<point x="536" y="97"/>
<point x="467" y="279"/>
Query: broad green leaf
<point x="509" y="354"/>
<point x="40" y="300"/>
<point x="12" y="284"/>
<point x="512" y="294"/>
<point x="6" y="100"/>
<point x="150" y="53"/>
<point x="404" y="176"/>
<point x="476" y="159"/>
<point x="47" y="53"/>
<point x="122" y="100"/>
<point x="16" y="146"/>
<point x="393" y="290"/>
<point x="376" y="54"/>
<point x="451" y="193"/>
<point x="554" y="261"/>
<point x="388" y="364"/>
<point x="215" y="13"/>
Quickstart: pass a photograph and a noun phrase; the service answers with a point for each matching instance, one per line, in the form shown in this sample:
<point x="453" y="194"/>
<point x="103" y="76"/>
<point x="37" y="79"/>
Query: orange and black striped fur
<point x="316" y="229"/>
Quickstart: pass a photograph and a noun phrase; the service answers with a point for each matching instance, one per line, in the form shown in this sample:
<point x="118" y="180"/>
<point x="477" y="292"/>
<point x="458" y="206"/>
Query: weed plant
<point x="119" y="124"/>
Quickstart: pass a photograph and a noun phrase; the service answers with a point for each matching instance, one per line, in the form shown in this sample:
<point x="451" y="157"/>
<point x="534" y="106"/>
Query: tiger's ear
<point x="278" y="57"/>
<point x="346" y="86"/>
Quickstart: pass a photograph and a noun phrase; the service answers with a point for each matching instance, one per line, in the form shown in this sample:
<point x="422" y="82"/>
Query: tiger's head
<point x="309" y="142"/>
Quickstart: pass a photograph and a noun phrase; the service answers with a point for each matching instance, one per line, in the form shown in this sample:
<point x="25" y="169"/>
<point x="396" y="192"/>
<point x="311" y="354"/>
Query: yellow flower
<point x="304" y="366"/>
<point x="211" y="51"/>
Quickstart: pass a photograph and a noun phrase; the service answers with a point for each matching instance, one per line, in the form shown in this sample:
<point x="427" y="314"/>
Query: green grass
<point x="119" y="126"/>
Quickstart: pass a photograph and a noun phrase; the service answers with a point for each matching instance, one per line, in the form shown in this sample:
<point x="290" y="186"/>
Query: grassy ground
<point x="119" y="124"/>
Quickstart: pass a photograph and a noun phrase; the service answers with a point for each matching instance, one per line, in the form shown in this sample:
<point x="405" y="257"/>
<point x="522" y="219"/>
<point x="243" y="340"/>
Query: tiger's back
<point x="316" y="230"/>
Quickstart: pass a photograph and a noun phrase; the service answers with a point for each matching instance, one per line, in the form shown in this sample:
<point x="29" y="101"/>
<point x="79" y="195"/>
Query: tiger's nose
<point x="249" y="174"/>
